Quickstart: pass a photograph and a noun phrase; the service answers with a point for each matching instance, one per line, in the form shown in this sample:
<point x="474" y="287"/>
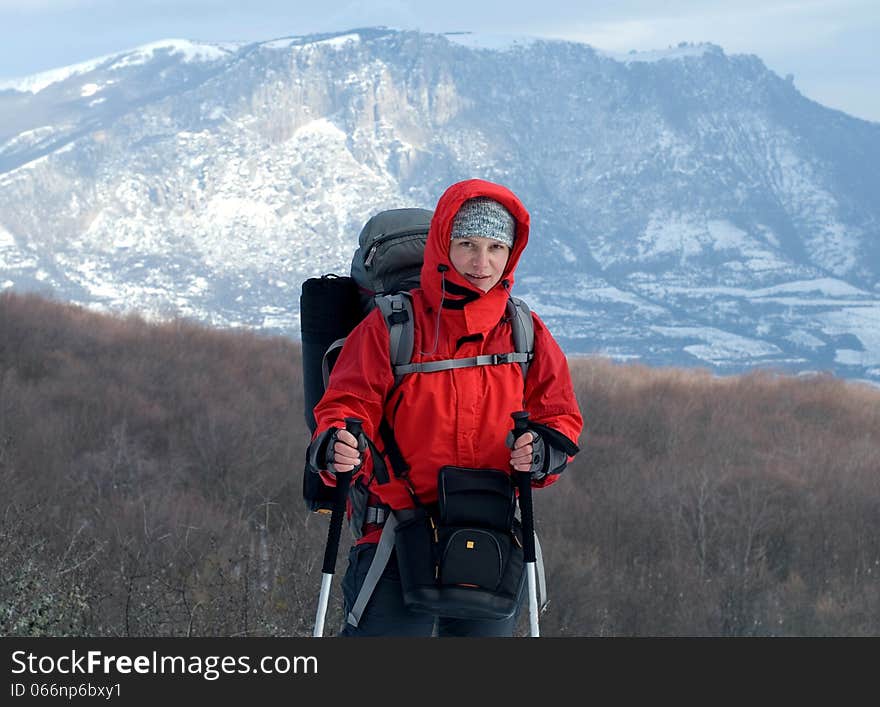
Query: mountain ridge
<point x="668" y="195"/>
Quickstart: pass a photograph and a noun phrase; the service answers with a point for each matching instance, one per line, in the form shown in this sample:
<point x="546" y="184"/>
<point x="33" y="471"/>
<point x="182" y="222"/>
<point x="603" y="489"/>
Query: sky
<point x="825" y="44"/>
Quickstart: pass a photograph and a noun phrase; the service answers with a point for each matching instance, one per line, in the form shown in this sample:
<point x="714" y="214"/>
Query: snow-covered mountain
<point x="689" y="207"/>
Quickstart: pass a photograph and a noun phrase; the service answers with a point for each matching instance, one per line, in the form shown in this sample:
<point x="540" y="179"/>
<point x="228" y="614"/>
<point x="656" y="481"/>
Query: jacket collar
<point x="482" y="310"/>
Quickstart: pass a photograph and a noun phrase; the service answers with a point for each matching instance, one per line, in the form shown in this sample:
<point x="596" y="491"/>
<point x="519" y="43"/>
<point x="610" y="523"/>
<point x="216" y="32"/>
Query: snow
<point x="805" y="340"/>
<point x="484" y="40"/>
<point x="826" y="285"/>
<point x="720" y="346"/>
<point x="12" y="257"/>
<point x="190" y="51"/>
<point x="567" y="253"/>
<point x="680" y="52"/>
<point x="599" y="291"/>
<point x="668" y="234"/>
<point x="340" y="41"/>
<point x="321" y="127"/>
<point x="27" y="138"/>
<point x="296" y="42"/>
<point x="863" y="321"/>
<point x="6" y="240"/>
<point x="242" y="211"/>
<point x="726" y="236"/>
<point x="686" y="235"/>
<point x="832" y="288"/>
<point x="98" y="286"/>
<point x="283" y="43"/>
<point x="279" y="318"/>
<point x="546" y="309"/>
<point x="817" y="302"/>
<point x="37" y="82"/>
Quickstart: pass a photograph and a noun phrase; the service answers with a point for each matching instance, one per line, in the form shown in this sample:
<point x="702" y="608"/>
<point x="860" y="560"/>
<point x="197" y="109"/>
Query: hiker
<point x="458" y="416"/>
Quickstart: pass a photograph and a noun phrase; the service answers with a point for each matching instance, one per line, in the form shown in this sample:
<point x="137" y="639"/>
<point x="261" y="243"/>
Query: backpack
<point x="385" y="266"/>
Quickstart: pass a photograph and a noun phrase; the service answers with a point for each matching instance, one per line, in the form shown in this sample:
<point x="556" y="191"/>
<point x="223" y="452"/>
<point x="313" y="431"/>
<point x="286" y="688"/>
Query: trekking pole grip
<point x="340" y="498"/>
<point x="524" y="485"/>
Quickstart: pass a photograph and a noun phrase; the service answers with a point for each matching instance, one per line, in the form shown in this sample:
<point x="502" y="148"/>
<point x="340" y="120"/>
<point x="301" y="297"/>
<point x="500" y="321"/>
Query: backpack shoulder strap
<point x="397" y="310"/>
<point x="329" y="358"/>
<point x="523" y="330"/>
<point x="398" y="313"/>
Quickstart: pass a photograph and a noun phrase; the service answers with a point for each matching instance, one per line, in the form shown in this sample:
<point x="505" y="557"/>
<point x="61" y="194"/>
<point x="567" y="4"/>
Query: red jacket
<point x="455" y="417"/>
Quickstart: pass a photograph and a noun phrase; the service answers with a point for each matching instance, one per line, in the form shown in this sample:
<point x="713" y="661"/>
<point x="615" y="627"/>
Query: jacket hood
<point x="482" y="310"/>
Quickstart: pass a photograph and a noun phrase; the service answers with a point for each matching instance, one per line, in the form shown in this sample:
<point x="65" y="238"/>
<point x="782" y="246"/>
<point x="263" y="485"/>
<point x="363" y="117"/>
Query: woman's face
<point x="479" y="260"/>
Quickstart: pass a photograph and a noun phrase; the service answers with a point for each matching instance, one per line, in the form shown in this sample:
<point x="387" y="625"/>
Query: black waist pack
<point x="464" y="560"/>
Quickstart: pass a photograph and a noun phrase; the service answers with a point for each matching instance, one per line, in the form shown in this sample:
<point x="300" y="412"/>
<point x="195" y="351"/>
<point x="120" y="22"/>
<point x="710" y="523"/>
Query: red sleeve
<point x="550" y="397"/>
<point x="359" y="381"/>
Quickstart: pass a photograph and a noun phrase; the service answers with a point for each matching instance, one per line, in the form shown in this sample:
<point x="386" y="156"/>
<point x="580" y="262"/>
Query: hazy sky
<point x="825" y="44"/>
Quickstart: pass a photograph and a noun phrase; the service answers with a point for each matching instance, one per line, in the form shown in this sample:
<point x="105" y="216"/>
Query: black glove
<point x="321" y="458"/>
<point x="538" y="468"/>
<point x="554" y="448"/>
<point x="321" y="451"/>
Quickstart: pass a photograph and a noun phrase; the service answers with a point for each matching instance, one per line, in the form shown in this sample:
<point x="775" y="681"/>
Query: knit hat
<point x="486" y="218"/>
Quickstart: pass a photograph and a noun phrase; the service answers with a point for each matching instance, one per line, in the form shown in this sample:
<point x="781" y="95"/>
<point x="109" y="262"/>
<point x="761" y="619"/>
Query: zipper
<point x="474" y="531"/>
<point x="395" y="408"/>
<point x="384" y="238"/>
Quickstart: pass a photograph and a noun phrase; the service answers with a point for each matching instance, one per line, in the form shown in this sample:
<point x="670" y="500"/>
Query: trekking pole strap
<point x="543" y="599"/>
<point x="450" y="363"/>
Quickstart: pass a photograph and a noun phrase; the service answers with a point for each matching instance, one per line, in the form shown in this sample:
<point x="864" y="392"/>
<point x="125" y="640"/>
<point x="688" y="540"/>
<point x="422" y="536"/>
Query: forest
<point x="151" y="486"/>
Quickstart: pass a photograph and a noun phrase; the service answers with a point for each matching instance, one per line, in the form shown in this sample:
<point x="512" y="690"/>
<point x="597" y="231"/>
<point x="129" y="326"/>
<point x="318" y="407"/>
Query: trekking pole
<point x="340" y="498"/>
<point x="524" y="483"/>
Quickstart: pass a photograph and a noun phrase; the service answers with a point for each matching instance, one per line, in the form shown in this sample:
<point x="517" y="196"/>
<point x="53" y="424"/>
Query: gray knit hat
<point x="484" y="217"/>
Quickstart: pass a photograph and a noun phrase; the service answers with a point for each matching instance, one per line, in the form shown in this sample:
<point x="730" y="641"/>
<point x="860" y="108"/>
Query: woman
<point x="459" y="417"/>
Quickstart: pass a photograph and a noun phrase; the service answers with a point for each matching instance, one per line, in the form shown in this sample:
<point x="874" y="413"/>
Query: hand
<point x="343" y="454"/>
<point x="527" y="454"/>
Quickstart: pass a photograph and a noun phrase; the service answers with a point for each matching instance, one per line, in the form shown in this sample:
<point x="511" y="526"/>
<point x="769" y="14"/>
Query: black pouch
<point x="470" y="564"/>
<point x="415" y="545"/>
<point x="473" y="557"/>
